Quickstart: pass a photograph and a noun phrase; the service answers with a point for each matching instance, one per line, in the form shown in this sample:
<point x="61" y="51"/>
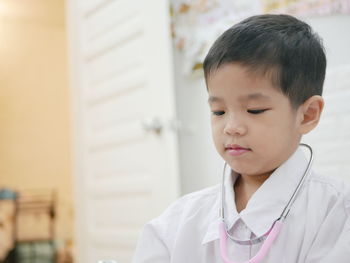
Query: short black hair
<point x="280" y="44"/>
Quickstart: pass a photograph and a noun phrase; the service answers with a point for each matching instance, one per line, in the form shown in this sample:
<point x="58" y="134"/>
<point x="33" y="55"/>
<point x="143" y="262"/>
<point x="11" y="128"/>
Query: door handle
<point x="152" y="125"/>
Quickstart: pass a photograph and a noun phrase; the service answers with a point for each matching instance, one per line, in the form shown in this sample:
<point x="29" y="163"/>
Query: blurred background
<point x="104" y="120"/>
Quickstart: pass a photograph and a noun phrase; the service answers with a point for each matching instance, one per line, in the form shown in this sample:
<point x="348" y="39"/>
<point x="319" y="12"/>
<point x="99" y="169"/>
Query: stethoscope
<point x="271" y="234"/>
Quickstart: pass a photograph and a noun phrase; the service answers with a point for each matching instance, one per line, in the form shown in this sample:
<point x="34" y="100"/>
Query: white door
<point x="125" y="164"/>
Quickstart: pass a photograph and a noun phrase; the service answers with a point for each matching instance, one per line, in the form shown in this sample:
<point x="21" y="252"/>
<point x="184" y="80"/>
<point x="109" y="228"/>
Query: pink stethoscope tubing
<point x="263" y="250"/>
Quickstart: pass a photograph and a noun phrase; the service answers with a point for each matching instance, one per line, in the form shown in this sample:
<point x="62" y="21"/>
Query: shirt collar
<point x="266" y="204"/>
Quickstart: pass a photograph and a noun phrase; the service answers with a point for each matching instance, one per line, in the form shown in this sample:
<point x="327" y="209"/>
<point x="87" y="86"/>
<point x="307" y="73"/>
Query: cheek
<point x="216" y="131"/>
<point x="276" y="139"/>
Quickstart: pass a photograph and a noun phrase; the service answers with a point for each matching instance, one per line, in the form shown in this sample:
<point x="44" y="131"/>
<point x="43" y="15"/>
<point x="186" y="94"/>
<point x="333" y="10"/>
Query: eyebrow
<point x="252" y="96"/>
<point x="213" y="99"/>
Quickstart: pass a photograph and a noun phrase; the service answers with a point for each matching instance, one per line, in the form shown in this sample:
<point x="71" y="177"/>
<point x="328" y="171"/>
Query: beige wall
<point x="34" y="102"/>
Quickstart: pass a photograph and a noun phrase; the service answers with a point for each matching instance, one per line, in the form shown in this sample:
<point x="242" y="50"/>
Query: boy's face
<point x="249" y="112"/>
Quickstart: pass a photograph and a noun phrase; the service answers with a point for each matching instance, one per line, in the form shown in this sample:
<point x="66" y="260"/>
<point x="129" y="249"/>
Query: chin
<point x="247" y="168"/>
<point x="240" y="169"/>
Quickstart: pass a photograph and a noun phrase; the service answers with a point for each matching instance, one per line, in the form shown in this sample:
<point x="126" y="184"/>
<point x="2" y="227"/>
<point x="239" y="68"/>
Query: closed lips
<point x="235" y="147"/>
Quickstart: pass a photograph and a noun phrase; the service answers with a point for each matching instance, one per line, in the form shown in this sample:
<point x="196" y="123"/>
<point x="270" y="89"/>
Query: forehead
<point x="257" y="96"/>
<point x="236" y="81"/>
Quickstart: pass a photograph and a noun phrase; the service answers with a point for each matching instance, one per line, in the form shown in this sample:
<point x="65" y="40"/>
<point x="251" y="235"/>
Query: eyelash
<point x="255" y="112"/>
<point x="218" y="113"/>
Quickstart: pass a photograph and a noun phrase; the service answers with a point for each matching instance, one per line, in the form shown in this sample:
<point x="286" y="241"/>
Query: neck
<point x="245" y="186"/>
<point x="253" y="181"/>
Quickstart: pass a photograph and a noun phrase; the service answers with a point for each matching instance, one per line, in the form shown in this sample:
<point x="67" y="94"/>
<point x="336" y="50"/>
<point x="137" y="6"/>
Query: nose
<point x="235" y="127"/>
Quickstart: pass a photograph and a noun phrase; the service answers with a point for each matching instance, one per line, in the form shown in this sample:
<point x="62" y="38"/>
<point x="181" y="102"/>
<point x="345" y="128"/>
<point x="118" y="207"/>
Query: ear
<point x="310" y="113"/>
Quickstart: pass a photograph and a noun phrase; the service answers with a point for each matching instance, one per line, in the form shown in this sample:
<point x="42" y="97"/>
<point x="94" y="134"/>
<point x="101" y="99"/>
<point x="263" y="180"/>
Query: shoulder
<point x="328" y="217"/>
<point x="330" y="191"/>
<point x="332" y="184"/>
<point x="188" y="213"/>
<point x="190" y="203"/>
<point x="199" y="204"/>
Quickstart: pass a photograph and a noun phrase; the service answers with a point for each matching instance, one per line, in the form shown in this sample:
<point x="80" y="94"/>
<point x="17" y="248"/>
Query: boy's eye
<point x="218" y="113"/>
<point x="256" y="111"/>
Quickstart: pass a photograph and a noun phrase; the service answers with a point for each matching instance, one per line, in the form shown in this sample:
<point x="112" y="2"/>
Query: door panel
<point x="126" y="166"/>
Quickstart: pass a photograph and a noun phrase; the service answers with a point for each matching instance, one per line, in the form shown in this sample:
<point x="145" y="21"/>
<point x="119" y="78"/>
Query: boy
<point x="264" y="78"/>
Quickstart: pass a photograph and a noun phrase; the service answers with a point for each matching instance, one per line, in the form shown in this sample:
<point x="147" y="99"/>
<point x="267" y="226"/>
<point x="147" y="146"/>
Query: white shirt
<point x="316" y="230"/>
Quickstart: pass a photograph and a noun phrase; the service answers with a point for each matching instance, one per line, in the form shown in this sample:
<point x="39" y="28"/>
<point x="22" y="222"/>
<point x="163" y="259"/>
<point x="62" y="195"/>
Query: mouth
<point x="236" y="150"/>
